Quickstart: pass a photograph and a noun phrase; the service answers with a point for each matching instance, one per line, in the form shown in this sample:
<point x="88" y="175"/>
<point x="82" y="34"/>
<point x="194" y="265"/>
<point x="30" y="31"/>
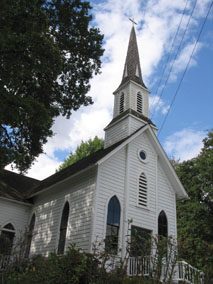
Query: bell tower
<point x="131" y="99"/>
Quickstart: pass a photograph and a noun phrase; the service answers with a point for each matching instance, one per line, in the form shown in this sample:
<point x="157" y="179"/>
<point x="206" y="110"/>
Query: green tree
<point x="82" y="151"/>
<point x="195" y="216"/>
<point x="48" y="53"/>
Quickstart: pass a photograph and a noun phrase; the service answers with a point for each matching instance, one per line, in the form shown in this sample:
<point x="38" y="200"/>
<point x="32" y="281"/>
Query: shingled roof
<point x="132" y="112"/>
<point x="73" y="169"/>
<point x="15" y="186"/>
<point x="77" y="167"/>
<point x="132" y="68"/>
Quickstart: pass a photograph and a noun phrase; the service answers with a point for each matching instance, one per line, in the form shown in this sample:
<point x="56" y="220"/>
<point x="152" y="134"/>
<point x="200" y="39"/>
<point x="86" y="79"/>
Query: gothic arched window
<point x="162" y="225"/>
<point x="113" y="225"/>
<point x="139" y="102"/>
<point x="63" y="228"/>
<point x="6" y="239"/>
<point x="30" y="235"/>
<point x="142" y="191"/>
<point x="121" y="103"/>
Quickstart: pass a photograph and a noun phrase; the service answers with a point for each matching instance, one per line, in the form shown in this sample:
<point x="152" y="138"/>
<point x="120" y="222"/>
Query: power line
<point x="168" y="57"/>
<point x="195" y="45"/>
<point x="174" y="60"/>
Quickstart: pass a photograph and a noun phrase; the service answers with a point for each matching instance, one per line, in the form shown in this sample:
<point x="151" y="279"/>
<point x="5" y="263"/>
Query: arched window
<point x="63" y="228"/>
<point x="6" y="239"/>
<point x="30" y="235"/>
<point x="113" y="225"/>
<point x="162" y="225"/>
<point x="142" y="191"/>
<point x="139" y="102"/>
<point x="122" y="102"/>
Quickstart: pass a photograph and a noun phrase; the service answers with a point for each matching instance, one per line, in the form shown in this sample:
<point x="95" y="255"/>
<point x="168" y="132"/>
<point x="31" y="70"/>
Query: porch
<point x="181" y="271"/>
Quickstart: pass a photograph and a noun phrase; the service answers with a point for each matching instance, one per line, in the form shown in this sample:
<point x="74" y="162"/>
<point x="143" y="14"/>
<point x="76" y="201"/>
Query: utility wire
<point x="168" y="57"/>
<point x="195" y="45"/>
<point x="174" y="60"/>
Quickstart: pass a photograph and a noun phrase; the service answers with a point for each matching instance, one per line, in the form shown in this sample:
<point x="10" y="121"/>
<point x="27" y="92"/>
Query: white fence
<point x="182" y="272"/>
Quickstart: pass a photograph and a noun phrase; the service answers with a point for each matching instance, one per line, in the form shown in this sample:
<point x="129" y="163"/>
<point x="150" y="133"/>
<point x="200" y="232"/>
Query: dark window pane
<point x="9" y="227"/>
<point x="113" y="224"/>
<point x="162" y="225"/>
<point x="63" y="229"/>
<point x="6" y="242"/>
<point x="140" y="241"/>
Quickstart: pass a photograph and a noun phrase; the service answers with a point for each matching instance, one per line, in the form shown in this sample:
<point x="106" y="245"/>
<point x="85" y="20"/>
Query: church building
<point x="131" y="178"/>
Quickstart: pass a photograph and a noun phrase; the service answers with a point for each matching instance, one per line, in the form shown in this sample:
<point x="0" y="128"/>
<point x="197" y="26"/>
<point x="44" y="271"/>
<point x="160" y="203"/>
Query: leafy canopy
<point x="82" y="151"/>
<point x="48" y="53"/>
<point x="195" y="216"/>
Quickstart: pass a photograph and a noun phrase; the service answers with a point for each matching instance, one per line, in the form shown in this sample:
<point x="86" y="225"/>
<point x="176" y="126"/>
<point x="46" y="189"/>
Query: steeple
<point x="131" y="99"/>
<point x="132" y="68"/>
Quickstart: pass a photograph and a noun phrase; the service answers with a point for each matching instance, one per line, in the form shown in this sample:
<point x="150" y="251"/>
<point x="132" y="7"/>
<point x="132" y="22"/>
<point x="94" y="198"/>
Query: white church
<point x="131" y="178"/>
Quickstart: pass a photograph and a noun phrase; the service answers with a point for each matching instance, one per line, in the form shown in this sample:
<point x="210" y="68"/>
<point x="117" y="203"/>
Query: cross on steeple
<point x="133" y="22"/>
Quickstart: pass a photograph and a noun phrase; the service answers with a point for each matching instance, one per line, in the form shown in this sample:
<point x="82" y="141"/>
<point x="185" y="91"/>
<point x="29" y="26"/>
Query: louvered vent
<point x="122" y="103"/>
<point x="139" y="102"/>
<point x="142" y="191"/>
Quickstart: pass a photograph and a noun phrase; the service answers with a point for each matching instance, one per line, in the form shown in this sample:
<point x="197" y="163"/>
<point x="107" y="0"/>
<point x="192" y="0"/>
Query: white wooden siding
<point x="111" y="182"/>
<point x="135" y="124"/>
<point x="142" y="217"/>
<point x="116" y="132"/>
<point x="166" y="200"/>
<point x="78" y="191"/>
<point x="114" y="177"/>
<point x="15" y="213"/>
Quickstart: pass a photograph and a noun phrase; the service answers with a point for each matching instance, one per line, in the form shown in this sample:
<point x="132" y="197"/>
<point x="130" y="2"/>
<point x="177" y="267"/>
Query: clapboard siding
<point x="166" y="200"/>
<point x="48" y="208"/>
<point x="135" y="124"/>
<point x="15" y="213"/>
<point x="116" y="132"/>
<point x="142" y="217"/>
<point x="111" y="180"/>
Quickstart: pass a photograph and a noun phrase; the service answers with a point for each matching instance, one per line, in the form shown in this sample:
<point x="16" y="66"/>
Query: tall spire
<point x="132" y="68"/>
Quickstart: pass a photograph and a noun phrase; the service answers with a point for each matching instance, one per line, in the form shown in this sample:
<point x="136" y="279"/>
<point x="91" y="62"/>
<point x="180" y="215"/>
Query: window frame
<point x="147" y="192"/>
<point x="139" y="102"/>
<point x="63" y="229"/>
<point x="121" y="102"/>
<point x="163" y="225"/>
<point x="110" y="246"/>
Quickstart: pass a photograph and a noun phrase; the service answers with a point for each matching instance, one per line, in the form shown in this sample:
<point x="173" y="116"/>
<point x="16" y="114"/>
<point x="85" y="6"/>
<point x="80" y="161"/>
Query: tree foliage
<point x="195" y="216"/>
<point x="48" y="53"/>
<point x="82" y="151"/>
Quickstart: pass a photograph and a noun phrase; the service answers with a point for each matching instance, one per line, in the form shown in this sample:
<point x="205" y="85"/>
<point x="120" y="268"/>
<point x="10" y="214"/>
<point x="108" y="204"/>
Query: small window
<point x="63" y="228"/>
<point x="113" y="225"/>
<point x="30" y="235"/>
<point x="122" y="103"/>
<point x="6" y="239"/>
<point x="140" y="241"/>
<point x="162" y="225"/>
<point x="139" y="103"/>
<point x="142" y="191"/>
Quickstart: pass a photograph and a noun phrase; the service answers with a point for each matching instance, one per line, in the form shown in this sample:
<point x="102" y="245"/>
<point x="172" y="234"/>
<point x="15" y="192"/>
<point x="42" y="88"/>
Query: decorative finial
<point x="133" y="22"/>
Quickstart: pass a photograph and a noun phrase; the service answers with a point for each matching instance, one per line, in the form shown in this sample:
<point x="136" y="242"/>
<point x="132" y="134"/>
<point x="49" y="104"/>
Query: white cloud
<point x="185" y="144"/>
<point x="156" y="104"/>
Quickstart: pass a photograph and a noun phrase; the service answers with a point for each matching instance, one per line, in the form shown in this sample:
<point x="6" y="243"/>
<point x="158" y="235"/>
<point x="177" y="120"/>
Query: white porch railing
<point x="182" y="273"/>
<point x="187" y="273"/>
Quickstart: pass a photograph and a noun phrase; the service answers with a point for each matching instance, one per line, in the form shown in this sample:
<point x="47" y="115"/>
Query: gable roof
<point x="74" y="168"/>
<point x="15" y="186"/>
<point x="103" y="154"/>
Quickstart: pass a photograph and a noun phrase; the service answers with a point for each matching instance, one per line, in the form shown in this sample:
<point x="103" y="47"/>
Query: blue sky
<point x="192" y="112"/>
